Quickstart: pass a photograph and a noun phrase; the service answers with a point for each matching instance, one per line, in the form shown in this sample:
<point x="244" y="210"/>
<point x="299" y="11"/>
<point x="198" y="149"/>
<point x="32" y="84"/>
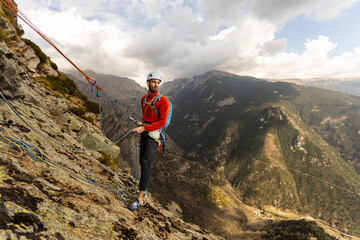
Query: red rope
<point x="12" y="7"/>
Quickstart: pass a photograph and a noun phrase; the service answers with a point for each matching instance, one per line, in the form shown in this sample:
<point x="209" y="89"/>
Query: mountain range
<point x="247" y="158"/>
<point x="349" y="86"/>
<point x="278" y="144"/>
<point x="260" y="143"/>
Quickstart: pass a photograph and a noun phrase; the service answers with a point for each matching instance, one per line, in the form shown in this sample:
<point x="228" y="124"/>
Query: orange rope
<point x="12" y="7"/>
<point x="6" y="135"/>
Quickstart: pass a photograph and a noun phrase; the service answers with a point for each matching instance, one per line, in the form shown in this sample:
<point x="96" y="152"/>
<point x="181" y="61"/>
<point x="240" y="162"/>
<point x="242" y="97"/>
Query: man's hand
<point x="139" y="130"/>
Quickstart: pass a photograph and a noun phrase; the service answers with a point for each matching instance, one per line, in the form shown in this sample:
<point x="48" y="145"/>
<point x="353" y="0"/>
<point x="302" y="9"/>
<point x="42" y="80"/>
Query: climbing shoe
<point x="135" y="205"/>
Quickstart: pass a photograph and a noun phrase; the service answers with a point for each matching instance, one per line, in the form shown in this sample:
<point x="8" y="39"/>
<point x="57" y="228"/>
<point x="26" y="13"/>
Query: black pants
<point x="148" y="147"/>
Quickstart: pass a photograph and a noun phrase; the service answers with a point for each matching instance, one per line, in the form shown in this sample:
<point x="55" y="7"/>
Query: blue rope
<point x="37" y="155"/>
<point x="98" y="95"/>
<point x="33" y="151"/>
<point x="56" y="142"/>
<point x="116" y="189"/>
<point x="137" y="161"/>
<point x="116" y="104"/>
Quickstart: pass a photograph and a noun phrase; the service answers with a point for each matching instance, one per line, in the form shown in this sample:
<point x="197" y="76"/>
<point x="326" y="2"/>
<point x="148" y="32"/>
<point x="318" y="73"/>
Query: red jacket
<point x="150" y="116"/>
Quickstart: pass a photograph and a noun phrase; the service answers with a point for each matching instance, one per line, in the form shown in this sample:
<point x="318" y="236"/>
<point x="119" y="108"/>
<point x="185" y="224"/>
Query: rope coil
<point x="113" y="187"/>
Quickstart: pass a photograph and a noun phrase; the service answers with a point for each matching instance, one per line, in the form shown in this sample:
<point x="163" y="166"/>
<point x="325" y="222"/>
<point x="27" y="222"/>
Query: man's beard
<point x="152" y="90"/>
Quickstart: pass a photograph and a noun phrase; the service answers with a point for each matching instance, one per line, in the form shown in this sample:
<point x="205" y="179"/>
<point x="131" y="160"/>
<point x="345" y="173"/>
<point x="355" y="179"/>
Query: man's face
<point x="153" y="85"/>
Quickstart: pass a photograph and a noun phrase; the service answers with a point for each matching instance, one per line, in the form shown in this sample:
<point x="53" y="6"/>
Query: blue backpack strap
<point x="157" y="98"/>
<point x="144" y="101"/>
<point x="169" y="115"/>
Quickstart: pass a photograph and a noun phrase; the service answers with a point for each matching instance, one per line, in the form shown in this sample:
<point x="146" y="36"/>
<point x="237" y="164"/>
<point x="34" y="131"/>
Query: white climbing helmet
<point x="154" y="75"/>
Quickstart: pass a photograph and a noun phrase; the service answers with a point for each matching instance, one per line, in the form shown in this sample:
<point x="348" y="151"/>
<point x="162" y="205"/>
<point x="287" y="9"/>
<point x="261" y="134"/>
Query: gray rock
<point x="27" y="56"/>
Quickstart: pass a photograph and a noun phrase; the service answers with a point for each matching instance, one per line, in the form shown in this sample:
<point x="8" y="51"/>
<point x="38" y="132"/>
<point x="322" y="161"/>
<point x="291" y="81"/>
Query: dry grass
<point x="271" y="150"/>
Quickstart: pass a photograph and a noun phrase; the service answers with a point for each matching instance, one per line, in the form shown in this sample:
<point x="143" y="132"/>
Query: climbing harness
<point x="158" y="135"/>
<point x="151" y="103"/>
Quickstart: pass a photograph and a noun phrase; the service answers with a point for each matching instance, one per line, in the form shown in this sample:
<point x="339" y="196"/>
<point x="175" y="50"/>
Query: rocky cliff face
<point x="52" y="192"/>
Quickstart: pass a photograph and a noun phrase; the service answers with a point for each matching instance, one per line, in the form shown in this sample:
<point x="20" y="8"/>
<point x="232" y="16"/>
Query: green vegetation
<point x="91" y="106"/>
<point x="282" y="145"/>
<point x="4" y="36"/>
<point x="19" y="30"/>
<point x="296" y="230"/>
<point x="66" y="87"/>
<point x="41" y="55"/>
<point x="4" y="12"/>
<point x="335" y="117"/>
<point x="81" y="112"/>
<point x="109" y="161"/>
<point x="53" y="65"/>
<point x="62" y="84"/>
<point x="77" y="111"/>
<point x="290" y="182"/>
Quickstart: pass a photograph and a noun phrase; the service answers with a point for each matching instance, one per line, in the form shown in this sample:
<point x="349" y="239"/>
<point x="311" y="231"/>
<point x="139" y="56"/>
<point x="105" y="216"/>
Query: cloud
<point x="222" y="34"/>
<point x="313" y="62"/>
<point x="218" y="9"/>
<point x="280" y="11"/>
<point x="319" y="47"/>
<point x="182" y="38"/>
<point x="90" y="43"/>
<point x="273" y="47"/>
<point x="176" y="50"/>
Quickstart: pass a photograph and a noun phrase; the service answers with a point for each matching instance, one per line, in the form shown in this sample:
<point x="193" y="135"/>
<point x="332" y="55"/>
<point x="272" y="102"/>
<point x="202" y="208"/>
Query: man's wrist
<point x="139" y="130"/>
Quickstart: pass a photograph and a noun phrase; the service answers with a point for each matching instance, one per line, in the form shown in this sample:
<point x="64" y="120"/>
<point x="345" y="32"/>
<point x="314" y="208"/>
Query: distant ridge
<point x="349" y="86"/>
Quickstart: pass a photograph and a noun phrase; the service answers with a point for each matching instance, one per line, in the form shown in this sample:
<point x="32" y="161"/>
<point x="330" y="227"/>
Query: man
<point x="154" y="120"/>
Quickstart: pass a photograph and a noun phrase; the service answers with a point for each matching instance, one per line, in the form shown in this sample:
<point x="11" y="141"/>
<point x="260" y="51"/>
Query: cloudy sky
<point x="183" y="38"/>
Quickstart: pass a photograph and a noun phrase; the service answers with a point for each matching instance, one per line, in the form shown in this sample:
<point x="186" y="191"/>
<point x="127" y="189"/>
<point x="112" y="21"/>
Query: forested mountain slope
<point x="279" y="144"/>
